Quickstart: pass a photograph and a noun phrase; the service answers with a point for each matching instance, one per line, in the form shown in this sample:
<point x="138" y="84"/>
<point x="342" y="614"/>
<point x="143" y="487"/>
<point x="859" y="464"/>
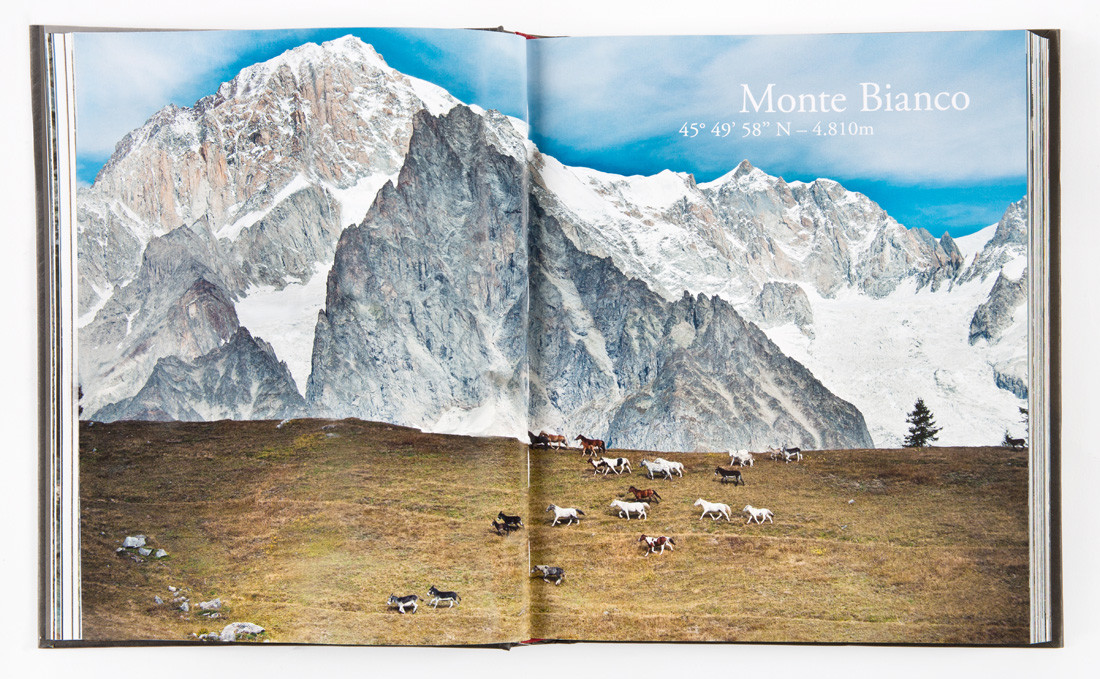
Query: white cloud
<point x="605" y="93"/>
<point x="124" y="78"/>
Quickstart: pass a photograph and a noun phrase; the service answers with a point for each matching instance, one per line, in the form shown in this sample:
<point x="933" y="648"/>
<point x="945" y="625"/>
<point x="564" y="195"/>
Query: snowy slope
<point x="890" y="321"/>
<point x="909" y="345"/>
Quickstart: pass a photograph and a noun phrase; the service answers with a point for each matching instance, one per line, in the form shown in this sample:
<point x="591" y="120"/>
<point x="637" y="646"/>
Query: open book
<point x="450" y="337"/>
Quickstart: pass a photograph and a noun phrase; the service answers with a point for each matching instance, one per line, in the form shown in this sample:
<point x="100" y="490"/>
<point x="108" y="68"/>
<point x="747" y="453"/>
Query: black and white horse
<point x="439" y="596"/>
<point x="401" y="602"/>
<point x="548" y="573"/>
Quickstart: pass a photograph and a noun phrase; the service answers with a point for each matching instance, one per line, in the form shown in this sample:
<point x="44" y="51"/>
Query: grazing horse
<point x="539" y="439"/>
<point x="728" y="474"/>
<point x="549" y="572"/>
<point x="439" y="596"/>
<point x="591" y="446"/>
<point x="638" y="508"/>
<point x="400" y="602"/>
<point x="717" y="508"/>
<point x="565" y="513"/>
<point x="653" y="542"/>
<point x="513" y="522"/>
<point x="757" y="514"/>
<point x="649" y="495"/>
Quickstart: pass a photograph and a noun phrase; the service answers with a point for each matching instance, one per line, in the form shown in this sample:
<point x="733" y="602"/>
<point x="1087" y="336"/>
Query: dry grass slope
<point x="304" y="529"/>
<point x="932" y="550"/>
<point x="307" y="528"/>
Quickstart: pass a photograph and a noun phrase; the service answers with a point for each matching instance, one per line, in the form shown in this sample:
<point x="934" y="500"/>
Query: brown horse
<point x="556" y="440"/>
<point x="591" y="446"/>
<point x="648" y="495"/>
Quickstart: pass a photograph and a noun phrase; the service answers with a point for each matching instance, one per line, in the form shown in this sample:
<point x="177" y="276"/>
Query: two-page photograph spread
<point x="455" y="337"/>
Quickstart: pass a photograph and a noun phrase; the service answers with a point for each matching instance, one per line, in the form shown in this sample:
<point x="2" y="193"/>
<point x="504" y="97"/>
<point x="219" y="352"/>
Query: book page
<point x="779" y="310"/>
<point x="302" y="300"/>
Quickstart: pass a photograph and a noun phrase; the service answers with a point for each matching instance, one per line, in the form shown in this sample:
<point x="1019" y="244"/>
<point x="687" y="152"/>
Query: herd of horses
<point x="644" y="498"/>
<point x="438" y="596"/>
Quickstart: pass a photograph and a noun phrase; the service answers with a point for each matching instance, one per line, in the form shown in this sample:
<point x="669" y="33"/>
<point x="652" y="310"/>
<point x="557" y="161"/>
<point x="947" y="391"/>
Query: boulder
<point x="234" y="629"/>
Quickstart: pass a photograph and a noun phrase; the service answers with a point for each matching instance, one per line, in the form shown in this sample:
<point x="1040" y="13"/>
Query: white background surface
<point x="1079" y="21"/>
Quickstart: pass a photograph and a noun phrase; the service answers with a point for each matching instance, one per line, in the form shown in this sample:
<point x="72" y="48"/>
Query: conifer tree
<point x="922" y="426"/>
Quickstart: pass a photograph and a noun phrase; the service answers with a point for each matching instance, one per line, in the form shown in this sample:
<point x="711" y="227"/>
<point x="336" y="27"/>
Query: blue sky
<point x="617" y="104"/>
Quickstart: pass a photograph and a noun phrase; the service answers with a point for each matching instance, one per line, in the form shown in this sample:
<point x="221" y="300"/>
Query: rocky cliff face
<point x="995" y="315"/>
<point x="780" y="303"/>
<point x="425" y="318"/>
<point x="612" y="359"/>
<point x="1007" y="247"/>
<point x="240" y="380"/>
<point x="247" y="188"/>
<point x="177" y="305"/>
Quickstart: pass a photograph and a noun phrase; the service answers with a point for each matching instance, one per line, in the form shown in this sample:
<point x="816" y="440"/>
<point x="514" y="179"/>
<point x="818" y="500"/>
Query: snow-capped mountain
<point x="879" y="313"/>
<point x="613" y="359"/>
<point x="731" y="236"/>
<point x="325" y="235"/>
<point x="253" y="185"/>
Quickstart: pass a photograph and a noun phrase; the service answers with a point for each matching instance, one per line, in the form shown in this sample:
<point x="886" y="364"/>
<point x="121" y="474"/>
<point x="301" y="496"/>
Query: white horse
<point x="639" y="508"/>
<point x="673" y="467"/>
<point x="565" y="513"/>
<point x="716" y="508"/>
<point x="657" y="467"/>
<point x="757" y="514"/>
<point x="741" y="457"/>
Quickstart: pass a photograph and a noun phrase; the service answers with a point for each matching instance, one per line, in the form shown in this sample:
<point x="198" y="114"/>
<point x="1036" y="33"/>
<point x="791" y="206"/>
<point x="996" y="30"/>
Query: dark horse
<point x="539" y="439"/>
<point x="648" y="495"/>
<point x="727" y="474"/>
<point x="510" y="522"/>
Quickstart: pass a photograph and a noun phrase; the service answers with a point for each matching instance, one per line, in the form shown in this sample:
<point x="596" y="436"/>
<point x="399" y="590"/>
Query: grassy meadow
<point x="307" y="528"/>
<point x="304" y="529"/>
<point x="933" y="549"/>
